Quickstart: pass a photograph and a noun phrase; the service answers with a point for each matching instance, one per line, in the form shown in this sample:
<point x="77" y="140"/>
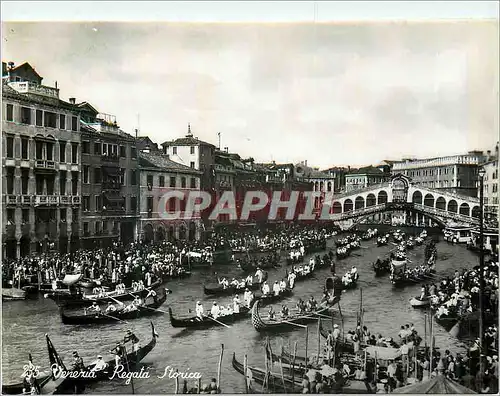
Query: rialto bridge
<point x="412" y="203"/>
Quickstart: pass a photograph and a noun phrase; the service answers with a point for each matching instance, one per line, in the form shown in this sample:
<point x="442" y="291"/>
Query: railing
<point x="447" y="214"/>
<point x="76" y="200"/>
<point x="45" y="164"/>
<point x="450" y="194"/>
<point x="11" y="199"/>
<point x="46" y="199"/>
<point x="31" y="87"/>
<point x="359" y="191"/>
<point x="111" y="185"/>
<point x="110" y="158"/>
<point x="65" y="200"/>
<point x="26" y="199"/>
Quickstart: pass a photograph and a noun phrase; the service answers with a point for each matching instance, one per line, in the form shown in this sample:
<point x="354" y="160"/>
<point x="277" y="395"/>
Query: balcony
<point x="25" y="199"/>
<point x="10" y="199"/>
<point x="46" y="200"/>
<point x="65" y="199"/>
<point x="33" y="88"/>
<point x="45" y="165"/>
<point x="76" y="200"/>
<point x="113" y="158"/>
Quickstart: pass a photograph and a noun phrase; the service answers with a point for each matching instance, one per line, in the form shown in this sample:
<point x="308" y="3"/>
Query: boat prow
<point x="416" y="302"/>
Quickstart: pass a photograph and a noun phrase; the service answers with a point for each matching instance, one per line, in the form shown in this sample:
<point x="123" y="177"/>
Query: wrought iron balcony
<point x="46" y="200"/>
<point x="115" y="158"/>
<point x="45" y="165"/>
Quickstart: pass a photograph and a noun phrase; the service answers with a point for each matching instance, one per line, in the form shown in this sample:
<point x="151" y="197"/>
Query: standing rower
<point x="276" y="288"/>
<point x="199" y="310"/>
<point x="215" y="311"/>
<point x="265" y="289"/>
<point x="236" y="304"/>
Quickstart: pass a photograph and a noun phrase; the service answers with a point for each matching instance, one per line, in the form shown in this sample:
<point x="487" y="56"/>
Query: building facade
<point x="490" y="188"/>
<point x="41" y="162"/>
<point x="109" y="179"/>
<point x="195" y="153"/>
<point x="456" y="174"/>
<point x="365" y="177"/>
<point x="159" y="174"/>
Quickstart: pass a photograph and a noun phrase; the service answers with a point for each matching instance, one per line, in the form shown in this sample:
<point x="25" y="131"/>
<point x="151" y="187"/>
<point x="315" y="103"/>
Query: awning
<point x="383" y="353"/>
<point x="71" y="279"/>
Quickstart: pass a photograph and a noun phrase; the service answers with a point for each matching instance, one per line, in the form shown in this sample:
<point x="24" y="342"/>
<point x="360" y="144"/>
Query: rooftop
<point x="162" y="162"/>
<point x="366" y="170"/>
<point x="188" y="140"/>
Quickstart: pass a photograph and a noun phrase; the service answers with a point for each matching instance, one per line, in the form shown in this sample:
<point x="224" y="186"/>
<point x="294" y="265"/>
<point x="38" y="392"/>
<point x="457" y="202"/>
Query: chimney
<point x="11" y="65"/>
<point x="305" y="162"/>
<point x="72" y="100"/>
<point x="56" y="84"/>
<point x="189" y="134"/>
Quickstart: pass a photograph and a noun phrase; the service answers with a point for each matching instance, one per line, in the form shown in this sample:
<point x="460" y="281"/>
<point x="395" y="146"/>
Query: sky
<point x="329" y="93"/>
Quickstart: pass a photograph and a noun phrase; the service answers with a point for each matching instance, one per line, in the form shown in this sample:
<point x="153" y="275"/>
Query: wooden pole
<point x="199" y="385"/>
<point x="264" y="383"/>
<point x="376" y="370"/>
<point x="425" y="331"/>
<point x="319" y="339"/>
<point x="245" y="368"/>
<point x="293" y="362"/>
<point x="128" y="368"/>
<point x="281" y="369"/>
<point x="177" y="382"/>
<point x="307" y="342"/>
<point x="220" y="366"/>
<point x="431" y="348"/>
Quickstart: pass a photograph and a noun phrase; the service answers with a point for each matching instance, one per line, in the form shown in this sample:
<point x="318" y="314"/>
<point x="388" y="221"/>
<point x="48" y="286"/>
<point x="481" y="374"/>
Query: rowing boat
<point x="285" y="324"/>
<point x="17" y="388"/>
<point x="13" y="294"/>
<point x="416" y="302"/>
<point x="130" y="362"/>
<point x="118" y="316"/>
<point x="220" y="291"/>
<point x="195" y="323"/>
<point x="77" y="299"/>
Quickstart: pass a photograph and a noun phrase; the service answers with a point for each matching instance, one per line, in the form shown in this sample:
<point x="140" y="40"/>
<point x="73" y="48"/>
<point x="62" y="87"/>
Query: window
<point x="11" y="216"/>
<point x="74" y="183"/>
<point x="495" y="188"/>
<point x="172" y="181"/>
<point x="174" y="150"/>
<point x="74" y="123"/>
<point x="192" y="164"/>
<point x="97" y="227"/>
<point x="149" y="180"/>
<point x="50" y="151"/>
<point x="86" y="171"/>
<point x="85" y="203"/>
<point x="192" y="149"/>
<point x="62" y="151"/>
<point x="74" y="153"/>
<point x="62" y="121"/>
<point x="183" y="182"/>
<point x="10" y="112"/>
<point x="97" y="148"/>
<point x="85" y="228"/>
<point x="26" y="115"/>
<point x="122" y="176"/>
<point x="98" y="203"/>
<point x="122" y="152"/>
<point x="39" y="150"/>
<point x="10" y="180"/>
<point x="133" y="204"/>
<point x="10" y="147"/>
<point x="133" y="152"/>
<point x="161" y="181"/>
<point x="75" y="215"/>
<point x="193" y="182"/>
<point x="105" y="227"/>
<point x="63" y="214"/>
<point x="26" y="216"/>
<point x="50" y="119"/>
<point x="133" y="178"/>
<point x="24" y="148"/>
<point x="62" y="183"/>
<point x="85" y="147"/>
<point x="97" y="175"/>
<point x="150" y="206"/>
<point x="39" y="118"/>
<point x="24" y="181"/>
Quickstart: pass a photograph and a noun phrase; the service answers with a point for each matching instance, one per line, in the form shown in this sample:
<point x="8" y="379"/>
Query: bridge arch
<point x="475" y="212"/>
<point x="348" y="205"/>
<point x="441" y="203"/>
<point x="452" y="206"/>
<point x="417" y="197"/>
<point x="337" y="207"/>
<point x="329" y="188"/>
<point x="371" y="200"/>
<point x="429" y="200"/>
<point x="465" y="209"/>
<point x="382" y="197"/>
<point x="359" y="203"/>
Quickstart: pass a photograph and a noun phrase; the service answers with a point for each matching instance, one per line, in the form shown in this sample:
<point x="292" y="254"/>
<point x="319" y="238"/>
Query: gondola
<point x="132" y="359"/>
<point x="13" y="294"/>
<point x="273" y="381"/>
<point x="78" y="299"/>
<point x="272" y="298"/>
<point x="17" y="388"/>
<point x="342" y="345"/>
<point x="220" y="291"/>
<point x="262" y="325"/>
<point x="101" y="318"/>
<point x="194" y="323"/>
<point x="87" y="283"/>
<point x="416" y="302"/>
<point x="382" y="268"/>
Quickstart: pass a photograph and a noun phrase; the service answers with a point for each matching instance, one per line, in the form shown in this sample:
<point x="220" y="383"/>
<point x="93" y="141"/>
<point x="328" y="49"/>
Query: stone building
<point x="456" y="173"/>
<point x="159" y="174"/>
<point x="356" y="179"/>
<point x="109" y="180"/>
<point x="41" y="162"/>
<point x="490" y="185"/>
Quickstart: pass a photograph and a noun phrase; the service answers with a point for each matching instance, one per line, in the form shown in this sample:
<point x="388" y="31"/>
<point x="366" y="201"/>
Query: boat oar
<point x="215" y="320"/>
<point x="112" y="317"/>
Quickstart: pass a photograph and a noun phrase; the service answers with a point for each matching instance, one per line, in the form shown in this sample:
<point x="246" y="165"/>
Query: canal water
<point x="386" y="309"/>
